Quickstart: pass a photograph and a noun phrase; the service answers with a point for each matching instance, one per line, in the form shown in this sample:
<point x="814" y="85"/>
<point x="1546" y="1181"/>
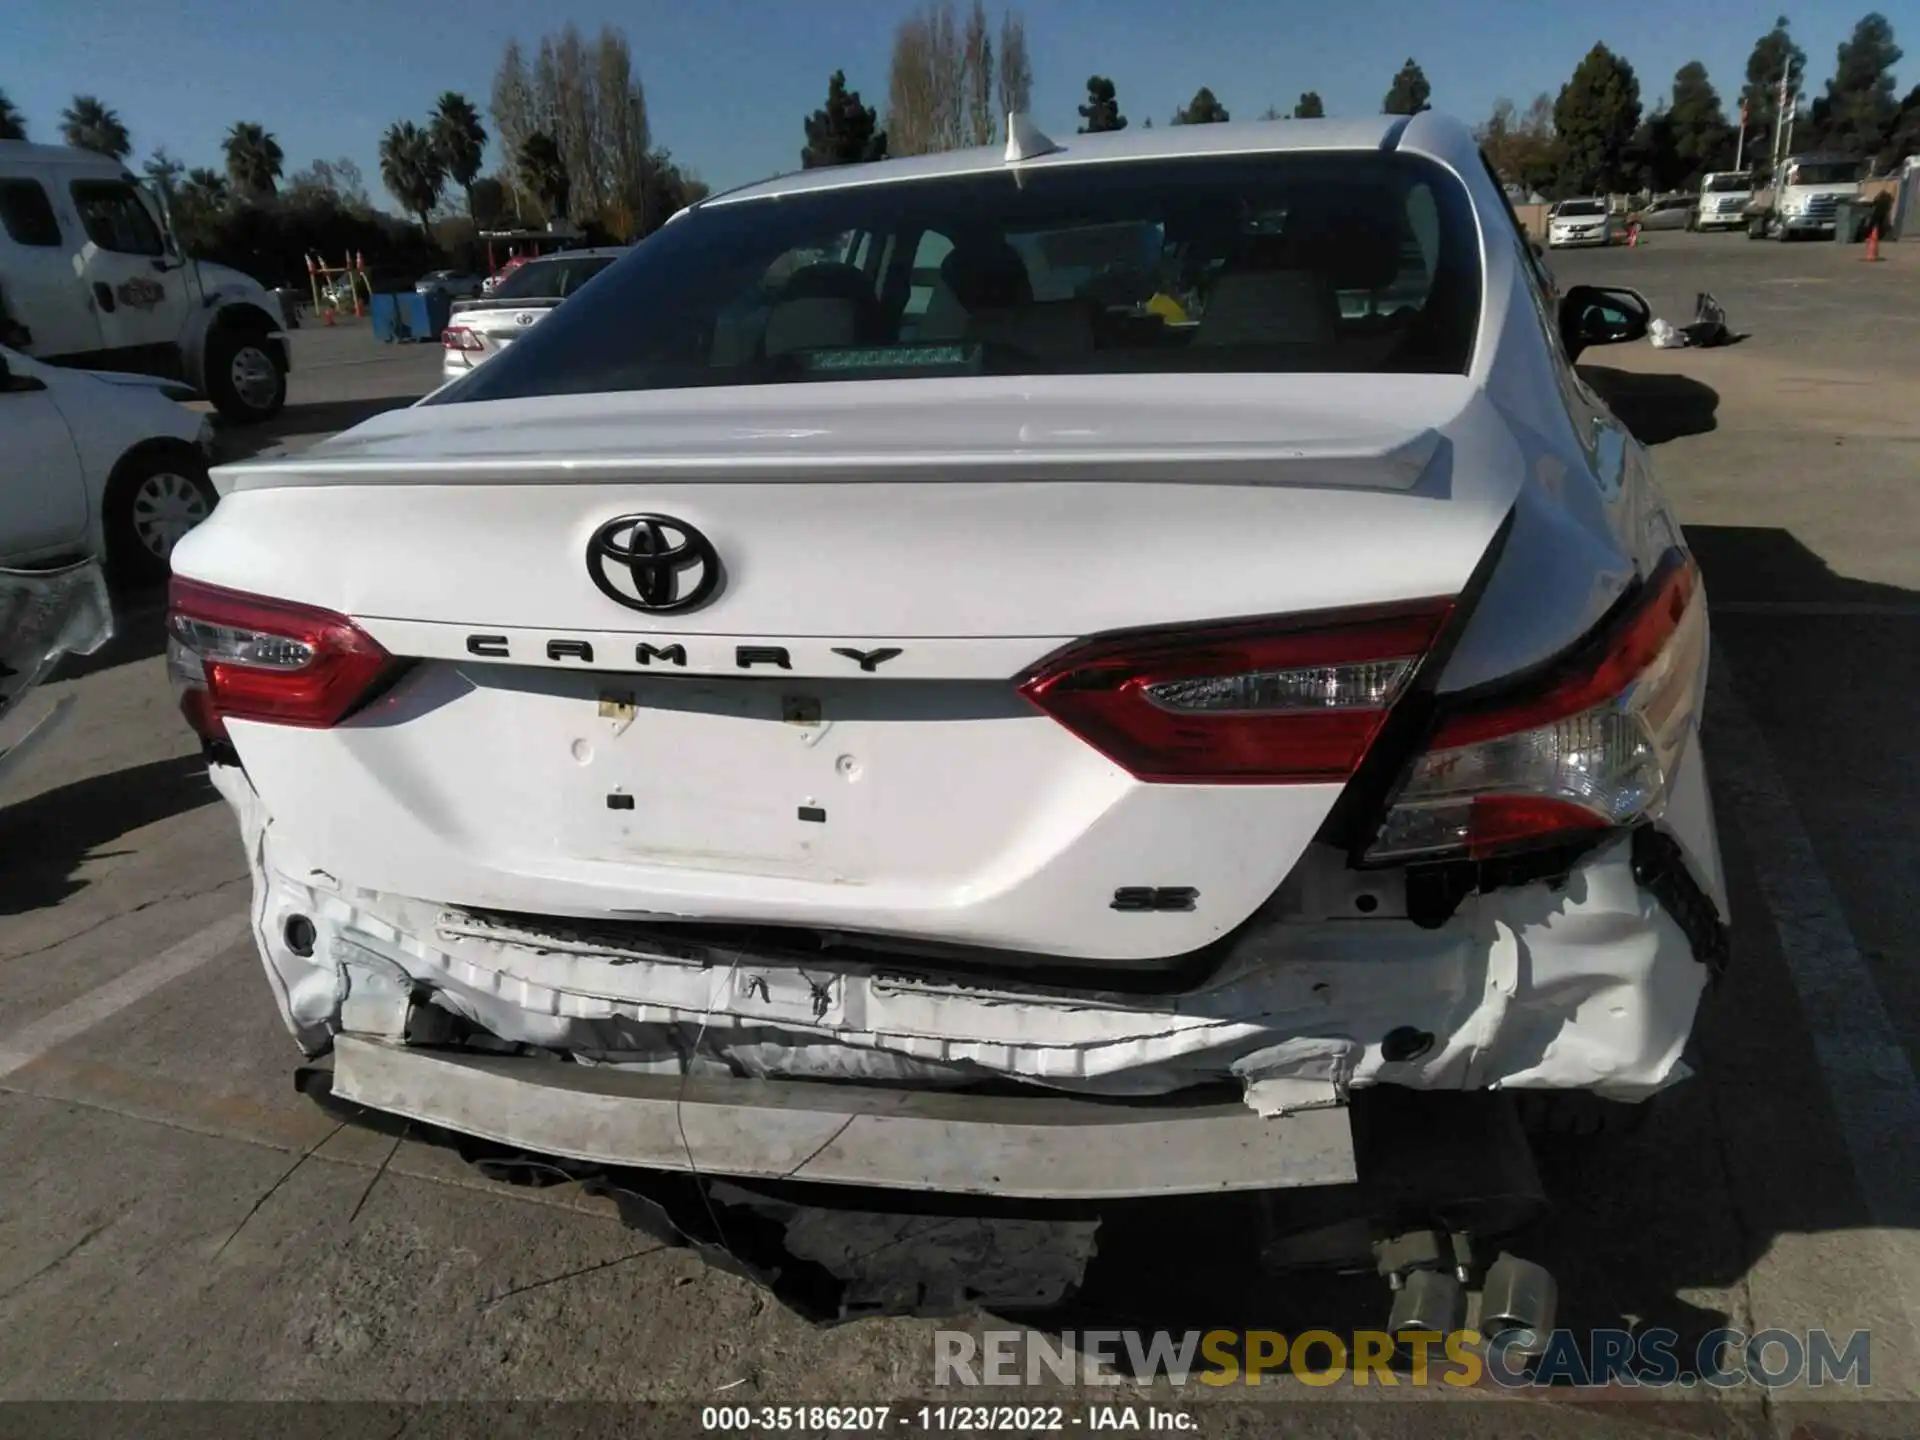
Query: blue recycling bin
<point x="409" y="316"/>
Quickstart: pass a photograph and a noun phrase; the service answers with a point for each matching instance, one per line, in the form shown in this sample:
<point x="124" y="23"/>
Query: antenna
<point x="1026" y="141"/>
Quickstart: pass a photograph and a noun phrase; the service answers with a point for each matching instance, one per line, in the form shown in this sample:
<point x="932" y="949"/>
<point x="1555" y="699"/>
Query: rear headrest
<point x="987" y="275"/>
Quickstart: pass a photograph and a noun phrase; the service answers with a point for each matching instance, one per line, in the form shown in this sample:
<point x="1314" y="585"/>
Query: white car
<point x="1027" y="747"/>
<point x="110" y="452"/>
<point x="480" y="329"/>
<point x="1585" y="221"/>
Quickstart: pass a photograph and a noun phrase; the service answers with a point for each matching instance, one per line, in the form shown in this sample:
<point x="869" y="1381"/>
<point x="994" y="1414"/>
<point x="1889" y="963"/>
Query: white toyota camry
<point x="1063" y="673"/>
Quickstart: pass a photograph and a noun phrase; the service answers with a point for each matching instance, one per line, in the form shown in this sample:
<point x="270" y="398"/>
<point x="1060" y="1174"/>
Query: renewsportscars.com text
<point x="1653" y="1358"/>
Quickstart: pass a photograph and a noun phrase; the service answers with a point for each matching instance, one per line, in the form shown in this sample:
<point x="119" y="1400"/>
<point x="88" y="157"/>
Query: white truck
<point x="1725" y="197"/>
<point x="91" y="276"/>
<point x="1806" y="196"/>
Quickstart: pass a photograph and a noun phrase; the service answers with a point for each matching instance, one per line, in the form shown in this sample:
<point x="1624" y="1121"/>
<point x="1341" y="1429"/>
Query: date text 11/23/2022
<point x="883" y="1419"/>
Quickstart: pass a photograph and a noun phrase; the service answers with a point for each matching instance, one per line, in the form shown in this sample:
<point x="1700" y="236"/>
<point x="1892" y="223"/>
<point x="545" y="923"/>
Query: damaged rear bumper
<point x="1056" y="1147"/>
<point x="558" y="1041"/>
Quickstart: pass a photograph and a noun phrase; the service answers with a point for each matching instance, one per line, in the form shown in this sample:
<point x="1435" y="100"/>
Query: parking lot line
<point x="1864" y="1067"/>
<point x="28" y="1044"/>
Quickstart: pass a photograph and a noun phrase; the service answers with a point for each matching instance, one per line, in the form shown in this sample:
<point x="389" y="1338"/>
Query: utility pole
<point x="1740" y="145"/>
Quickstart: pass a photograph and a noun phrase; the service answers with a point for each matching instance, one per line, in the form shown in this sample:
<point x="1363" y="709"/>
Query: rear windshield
<point x="1582" y="207"/>
<point x="550" y="279"/>
<point x="1352" y="262"/>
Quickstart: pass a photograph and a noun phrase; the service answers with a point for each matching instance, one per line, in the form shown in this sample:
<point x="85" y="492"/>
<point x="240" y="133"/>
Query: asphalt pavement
<point x="176" y="1223"/>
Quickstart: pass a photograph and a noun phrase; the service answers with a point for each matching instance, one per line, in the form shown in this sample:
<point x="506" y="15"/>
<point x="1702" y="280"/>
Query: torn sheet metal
<point x="44" y="616"/>
<point x="1587" y="984"/>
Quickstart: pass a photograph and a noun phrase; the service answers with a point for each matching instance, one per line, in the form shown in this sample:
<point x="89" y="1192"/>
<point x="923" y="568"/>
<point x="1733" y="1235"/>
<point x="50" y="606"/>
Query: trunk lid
<point x="499" y="323"/>
<point x="832" y="738"/>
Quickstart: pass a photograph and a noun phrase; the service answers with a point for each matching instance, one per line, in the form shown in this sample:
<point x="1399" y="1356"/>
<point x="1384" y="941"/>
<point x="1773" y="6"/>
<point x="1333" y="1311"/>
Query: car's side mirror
<point x="1602" y="315"/>
<point x="11" y="383"/>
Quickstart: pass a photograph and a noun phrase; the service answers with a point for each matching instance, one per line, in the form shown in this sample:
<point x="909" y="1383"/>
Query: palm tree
<point x="254" y="158"/>
<point x="461" y="140"/>
<point x="87" y="124"/>
<point x="544" y="172"/>
<point x="412" y="170"/>
<point x="164" y="171"/>
<point x="13" y="125"/>
<point x="206" y="187"/>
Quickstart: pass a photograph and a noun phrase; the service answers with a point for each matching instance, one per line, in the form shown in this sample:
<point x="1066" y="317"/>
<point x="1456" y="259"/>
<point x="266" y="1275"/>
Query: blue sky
<point x="727" y="81"/>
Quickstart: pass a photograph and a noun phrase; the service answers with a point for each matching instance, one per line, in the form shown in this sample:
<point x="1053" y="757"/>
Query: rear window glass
<point x="1355" y="262"/>
<point x="548" y="279"/>
<point x="27" y="213"/>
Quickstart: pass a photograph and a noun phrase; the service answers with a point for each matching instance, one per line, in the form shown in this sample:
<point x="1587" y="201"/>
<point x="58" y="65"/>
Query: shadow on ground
<point x="317" y="420"/>
<point x="1656" y="407"/>
<point x="45" y="838"/>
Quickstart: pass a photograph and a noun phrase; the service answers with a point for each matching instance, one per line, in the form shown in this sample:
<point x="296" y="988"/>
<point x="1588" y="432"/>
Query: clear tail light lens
<point x="1592" y="749"/>
<point x="244" y="657"/>
<point x="1294" y="700"/>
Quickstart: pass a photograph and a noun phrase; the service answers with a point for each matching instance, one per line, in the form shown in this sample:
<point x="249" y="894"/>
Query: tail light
<point x="459" y="337"/>
<point x="1290" y="701"/>
<point x="243" y="657"/>
<point x="1590" y="748"/>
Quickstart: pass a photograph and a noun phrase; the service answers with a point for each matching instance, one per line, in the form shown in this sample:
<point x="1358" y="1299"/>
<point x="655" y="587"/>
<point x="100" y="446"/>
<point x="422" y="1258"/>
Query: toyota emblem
<point x="653" y="562"/>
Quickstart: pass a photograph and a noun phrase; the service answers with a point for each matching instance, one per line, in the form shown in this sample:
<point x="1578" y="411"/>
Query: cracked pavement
<point x="177" y="1223"/>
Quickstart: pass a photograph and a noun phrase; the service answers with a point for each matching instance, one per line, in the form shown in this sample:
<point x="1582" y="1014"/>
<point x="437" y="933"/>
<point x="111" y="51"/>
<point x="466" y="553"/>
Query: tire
<point x="246" y="376"/>
<point x="154" y="498"/>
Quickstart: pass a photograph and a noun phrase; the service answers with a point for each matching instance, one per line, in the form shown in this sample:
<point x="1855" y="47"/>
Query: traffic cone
<point x="328" y="312"/>
<point x="1633" y="237"/>
<point x="1873" y="244"/>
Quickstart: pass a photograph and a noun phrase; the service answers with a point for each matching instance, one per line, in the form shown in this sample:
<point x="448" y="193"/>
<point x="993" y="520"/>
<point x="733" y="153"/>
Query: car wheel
<point x="246" y="379"/>
<point x="154" y="499"/>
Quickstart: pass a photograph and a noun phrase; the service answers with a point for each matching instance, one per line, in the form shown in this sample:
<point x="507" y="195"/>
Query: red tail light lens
<point x="1592" y="748"/>
<point x="459" y="337"/>
<point x="1272" y="702"/>
<point x="245" y="657"/>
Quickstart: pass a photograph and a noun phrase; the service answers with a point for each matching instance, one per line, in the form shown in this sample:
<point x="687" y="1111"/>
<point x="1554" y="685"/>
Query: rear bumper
<point x="1030" y="1146"/>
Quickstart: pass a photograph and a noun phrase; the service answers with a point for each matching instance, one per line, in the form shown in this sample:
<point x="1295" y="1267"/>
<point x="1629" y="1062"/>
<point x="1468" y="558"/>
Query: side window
<point x="933" y="248"/>
<point x="114" y="218"/>
<point x="28" y="214"/>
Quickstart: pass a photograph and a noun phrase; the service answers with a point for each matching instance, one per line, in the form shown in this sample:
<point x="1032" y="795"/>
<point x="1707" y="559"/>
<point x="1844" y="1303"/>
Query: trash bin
<point x="409" y="316"/>
<point x="1849" y="222"/>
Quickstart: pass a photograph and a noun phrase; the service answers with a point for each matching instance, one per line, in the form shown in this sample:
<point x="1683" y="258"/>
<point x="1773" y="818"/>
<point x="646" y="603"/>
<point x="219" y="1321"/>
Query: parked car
<point x="1582" y="221"/>
<point x="1066" y="754"/>
<point x="454" y="284"/>
<point x="1670" y="212"/>
<point x="477" y="330"/>
<point x="112" y="449"/>
<point x="91" y="276"/>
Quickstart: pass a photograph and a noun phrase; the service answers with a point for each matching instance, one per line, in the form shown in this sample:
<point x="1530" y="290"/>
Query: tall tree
<point x="1774" y="54"/>
<point x="1700" y="134"/>
<point x="1409" y="93"/>
<point x="1860" y="104"/>
<point x="488" y="198"/>
<point x="927" y="83"/>
<point x="1520" y="147"/>
<point x="165" y="172"/>
<point x="87" y="124"/>
<point x="1310" y="107"/>
<point x="543" y="170"/>
<point x="411" y="169"/>
<point x="976" y="47"/>
<point x="1203" y="109"/>
<point x="13" y="125"/>
<point x="1015" y="81"/>
<point x="1102" y="110"/>
<point x="254" y="159"/>
<point x="1905" y="138"/>
<point x="1652" y="160"/>
<point x="511" y="105"/>
<point x="461" y="140"/>
<point x="588" y="100"/>
<point x="843" y="131"/>
<point x="1595" y="119"/>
